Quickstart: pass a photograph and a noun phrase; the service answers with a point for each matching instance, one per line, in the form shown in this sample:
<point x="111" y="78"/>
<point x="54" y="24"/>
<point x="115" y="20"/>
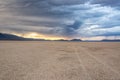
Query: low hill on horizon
<point x="108" y="40"/>
<point x="6" y="36"/>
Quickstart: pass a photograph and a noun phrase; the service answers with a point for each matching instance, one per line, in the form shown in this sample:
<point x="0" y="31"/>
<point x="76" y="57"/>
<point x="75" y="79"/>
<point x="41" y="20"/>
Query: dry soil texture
<point x="22" y="60"/>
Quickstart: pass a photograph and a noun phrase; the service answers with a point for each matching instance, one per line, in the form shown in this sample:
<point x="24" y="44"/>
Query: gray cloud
<point x="107" y="2"/>
<point x="73" y="18"/>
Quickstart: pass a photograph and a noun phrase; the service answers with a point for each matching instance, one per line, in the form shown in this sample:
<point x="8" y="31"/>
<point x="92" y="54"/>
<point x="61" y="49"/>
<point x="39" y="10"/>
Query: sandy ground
<point x="59" y="60"/>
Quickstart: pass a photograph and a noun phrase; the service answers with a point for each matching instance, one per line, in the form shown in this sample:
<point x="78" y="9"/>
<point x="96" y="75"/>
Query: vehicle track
<point x="82" y="65"/>
<point x="100" y="61"/>
<point x="95" y="66"/>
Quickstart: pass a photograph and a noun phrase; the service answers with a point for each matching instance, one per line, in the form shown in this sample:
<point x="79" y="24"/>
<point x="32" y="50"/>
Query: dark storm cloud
<point x="70" y="30"/>
<point x="40" y="8"/>
<point x="51" y="2"/>
<point x="109" y="32"/>
<point x="66" y="2"/>
<point x="107" y="2"/>
<point x="74" y="18"/>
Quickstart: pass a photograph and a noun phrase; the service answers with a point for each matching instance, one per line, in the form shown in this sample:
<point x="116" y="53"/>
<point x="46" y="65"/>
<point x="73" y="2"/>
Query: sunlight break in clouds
<point x="35" y="35"/>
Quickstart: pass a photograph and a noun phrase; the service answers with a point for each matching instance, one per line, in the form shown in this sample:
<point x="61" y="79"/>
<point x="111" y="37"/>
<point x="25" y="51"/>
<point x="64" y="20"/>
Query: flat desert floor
<point x="34" y="60"/>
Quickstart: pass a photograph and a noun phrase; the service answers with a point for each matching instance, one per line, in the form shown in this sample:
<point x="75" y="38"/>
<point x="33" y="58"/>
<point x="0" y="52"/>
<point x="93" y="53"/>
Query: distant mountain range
<point x="76" y="40"/>
<point x="107" y="40"/>
<point x="5" y="36"/>
<point x="69" y="40"/>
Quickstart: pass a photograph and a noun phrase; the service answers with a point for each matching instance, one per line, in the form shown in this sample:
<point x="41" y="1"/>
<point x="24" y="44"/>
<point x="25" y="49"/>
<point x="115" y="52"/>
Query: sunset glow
<point x="35" y="35"/>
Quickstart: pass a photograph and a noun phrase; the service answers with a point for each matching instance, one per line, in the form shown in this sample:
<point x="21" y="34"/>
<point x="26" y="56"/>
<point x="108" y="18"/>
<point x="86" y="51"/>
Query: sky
<point x="61" y="19"/>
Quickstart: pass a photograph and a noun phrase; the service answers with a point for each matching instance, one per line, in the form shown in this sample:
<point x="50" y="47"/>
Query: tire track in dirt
<point x="97" y="69"/>
<point x="102" y="62"/>
<point x="82" y="65"/>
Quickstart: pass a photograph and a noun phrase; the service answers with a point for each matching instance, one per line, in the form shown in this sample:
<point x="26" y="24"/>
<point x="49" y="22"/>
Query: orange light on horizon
<point x="35" y="35"/>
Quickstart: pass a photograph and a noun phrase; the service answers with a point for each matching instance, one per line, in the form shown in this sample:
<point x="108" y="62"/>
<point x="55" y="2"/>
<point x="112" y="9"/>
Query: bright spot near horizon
<point x="32" y="35"/>
<point x="36" y="35"/>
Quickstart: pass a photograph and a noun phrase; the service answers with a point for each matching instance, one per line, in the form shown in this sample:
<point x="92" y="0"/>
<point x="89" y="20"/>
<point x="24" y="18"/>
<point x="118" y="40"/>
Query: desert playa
<point x="42" y="60"/>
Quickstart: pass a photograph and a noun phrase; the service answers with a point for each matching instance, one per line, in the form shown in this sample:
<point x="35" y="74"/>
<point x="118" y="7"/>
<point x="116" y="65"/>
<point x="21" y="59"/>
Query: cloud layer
<point x="73" y="18"/>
